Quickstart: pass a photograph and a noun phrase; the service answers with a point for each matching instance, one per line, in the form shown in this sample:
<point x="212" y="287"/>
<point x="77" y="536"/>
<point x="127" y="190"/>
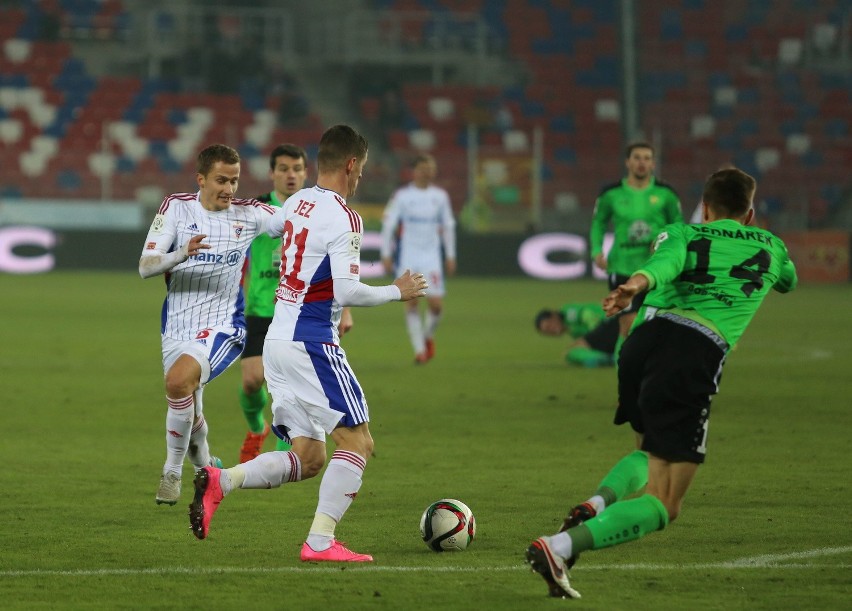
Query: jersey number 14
<point x="750" y="271"/>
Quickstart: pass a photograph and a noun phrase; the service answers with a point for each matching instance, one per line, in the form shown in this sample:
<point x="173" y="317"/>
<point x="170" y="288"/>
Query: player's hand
<point x="346" y="322"/>
<point x="600" y="262"/>
<point x="623" y="294"/>
<point x="195" y="245"/>
<point x="411" y="285"/>
<point x="387" y="263"/>
<point x="618" y="299"/>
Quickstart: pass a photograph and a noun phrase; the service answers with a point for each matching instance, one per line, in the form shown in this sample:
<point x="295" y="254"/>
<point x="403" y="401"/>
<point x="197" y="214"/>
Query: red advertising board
<point x="820" y="256"/>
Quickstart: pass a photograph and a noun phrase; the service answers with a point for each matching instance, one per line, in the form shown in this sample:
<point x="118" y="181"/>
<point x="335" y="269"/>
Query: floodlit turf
<point x="497" y="420"/>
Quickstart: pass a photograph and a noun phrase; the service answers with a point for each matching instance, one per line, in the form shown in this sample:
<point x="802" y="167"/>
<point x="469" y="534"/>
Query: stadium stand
<point x="761" y="85"/>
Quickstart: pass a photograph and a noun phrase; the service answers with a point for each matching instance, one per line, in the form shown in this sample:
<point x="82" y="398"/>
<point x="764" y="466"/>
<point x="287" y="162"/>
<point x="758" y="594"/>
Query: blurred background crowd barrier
<point x="526" y="104"/>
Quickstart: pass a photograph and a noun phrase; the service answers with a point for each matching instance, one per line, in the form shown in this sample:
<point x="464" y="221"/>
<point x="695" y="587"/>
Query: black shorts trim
<point x="667" y="376"/>
<point x="256" y="329"/>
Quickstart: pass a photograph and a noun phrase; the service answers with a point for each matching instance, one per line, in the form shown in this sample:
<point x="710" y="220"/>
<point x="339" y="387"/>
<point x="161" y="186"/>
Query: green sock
<point x="623" y="522"/>
<point x="253" y="408"/>
<point x="587" y="357"/>
<point x="281" y="445"/>
<point x="629" y="475"/>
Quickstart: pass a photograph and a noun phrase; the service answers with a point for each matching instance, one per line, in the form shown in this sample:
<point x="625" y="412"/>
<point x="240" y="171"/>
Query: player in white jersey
<point x="314" y="391"/>
<point x="420" y="217"/>
<point x="199" y="240"/>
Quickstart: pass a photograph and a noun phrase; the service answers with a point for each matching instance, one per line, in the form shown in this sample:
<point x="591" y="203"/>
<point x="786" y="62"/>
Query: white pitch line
<point x="773" y="561"/>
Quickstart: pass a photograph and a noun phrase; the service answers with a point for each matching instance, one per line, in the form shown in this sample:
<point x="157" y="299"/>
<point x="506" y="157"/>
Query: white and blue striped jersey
<point x="205" y="290"/>
<point x="425" y="221"/>
<point x="320" y="241"/>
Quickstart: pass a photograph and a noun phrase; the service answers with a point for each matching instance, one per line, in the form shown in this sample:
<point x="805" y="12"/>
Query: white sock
<point x="340" y="484"/>
<point x="231" y="478"/>
<point x="178" y="427"/>
<point x="198" y="451"/>
<point x="415" y="330"/>
<point x="322" y="532"/>
<point x="598" y="503"/>
<point x="561" y="544"/>
<point x="432" y="321"/>
<point x="268" y="470"/>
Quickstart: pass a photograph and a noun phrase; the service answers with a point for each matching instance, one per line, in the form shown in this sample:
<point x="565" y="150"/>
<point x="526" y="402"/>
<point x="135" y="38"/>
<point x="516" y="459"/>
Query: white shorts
<point x="434" y="278"/>
<point x="215" y="349"/>
<point x="313" y="389"/>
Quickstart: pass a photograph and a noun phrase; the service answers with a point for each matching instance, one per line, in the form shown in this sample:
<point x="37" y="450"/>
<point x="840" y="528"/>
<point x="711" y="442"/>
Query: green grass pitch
<point x="497" y="420"/>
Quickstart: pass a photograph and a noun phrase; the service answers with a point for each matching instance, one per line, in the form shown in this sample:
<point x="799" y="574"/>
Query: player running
<point x="314" y="390"/>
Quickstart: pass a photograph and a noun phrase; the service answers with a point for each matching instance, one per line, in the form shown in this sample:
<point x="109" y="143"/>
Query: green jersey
<point x="637" y="216"/>
<point x="580" y="318"/>
<point x="261" y="273"/>
<point x="715" y="274"/>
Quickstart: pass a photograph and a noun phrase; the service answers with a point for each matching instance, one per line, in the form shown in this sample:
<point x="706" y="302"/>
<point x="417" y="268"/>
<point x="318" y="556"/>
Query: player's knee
<point x="178" y="386"/>
<point x="369" y="446"/>
<point x="252" y="384"/>
<point x="312" y="464"/>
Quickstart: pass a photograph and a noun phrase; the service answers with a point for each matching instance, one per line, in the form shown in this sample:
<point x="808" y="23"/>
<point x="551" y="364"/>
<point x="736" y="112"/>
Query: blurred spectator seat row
<point x="67" y="133"/>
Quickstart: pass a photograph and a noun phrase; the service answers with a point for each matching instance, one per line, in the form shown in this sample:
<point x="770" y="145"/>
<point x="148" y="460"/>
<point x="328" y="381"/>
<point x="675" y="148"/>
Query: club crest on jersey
<point x="353" y="268"/>
<point x="151" y="246"/>
<point x="238" y="229"/>
<point x="158" y="224"/>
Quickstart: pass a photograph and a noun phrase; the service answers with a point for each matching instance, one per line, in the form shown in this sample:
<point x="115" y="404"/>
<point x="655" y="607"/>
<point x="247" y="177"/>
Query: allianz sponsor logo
<point x="230" y="258"/>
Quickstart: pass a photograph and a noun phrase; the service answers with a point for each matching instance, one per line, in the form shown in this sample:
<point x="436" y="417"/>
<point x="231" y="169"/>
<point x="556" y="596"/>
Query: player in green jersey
<point x="594" y="334"/>
<point x="638" y="206"/>
<point x="704" y="284"/>
<point x="288" y="171"/>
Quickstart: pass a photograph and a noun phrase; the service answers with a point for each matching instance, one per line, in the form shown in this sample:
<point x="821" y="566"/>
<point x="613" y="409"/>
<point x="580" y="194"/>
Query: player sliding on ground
<point x="704" y="284"/>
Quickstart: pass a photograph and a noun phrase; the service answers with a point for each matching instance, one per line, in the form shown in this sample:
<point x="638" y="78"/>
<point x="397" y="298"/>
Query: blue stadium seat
<point x="68" y="180"/>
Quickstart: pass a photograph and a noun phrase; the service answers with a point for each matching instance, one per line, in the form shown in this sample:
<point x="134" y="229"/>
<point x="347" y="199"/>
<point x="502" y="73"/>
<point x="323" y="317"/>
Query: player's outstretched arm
<point x="411" y="285"/>
<point x="623" y="294"/>
<point x="158" y="262"/>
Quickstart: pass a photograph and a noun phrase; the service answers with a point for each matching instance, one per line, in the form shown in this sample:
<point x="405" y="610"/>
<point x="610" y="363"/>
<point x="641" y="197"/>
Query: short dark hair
<point x="637" y="145"/>
<point x="339" y="144"/>
<point x="420" y="158"/>
<point x="543" y="315"/>
<point x="214" y="153"/>
<point x="729" y="193"/>
<point x="288" y="150"/>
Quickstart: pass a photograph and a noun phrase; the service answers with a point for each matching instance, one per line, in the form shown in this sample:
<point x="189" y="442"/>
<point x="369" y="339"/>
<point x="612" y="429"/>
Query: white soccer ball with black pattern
<point x="448" y="525"/>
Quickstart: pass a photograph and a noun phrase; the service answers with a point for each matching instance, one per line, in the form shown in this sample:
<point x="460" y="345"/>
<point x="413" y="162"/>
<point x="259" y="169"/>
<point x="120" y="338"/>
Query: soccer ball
<point x="447" y="525"/>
